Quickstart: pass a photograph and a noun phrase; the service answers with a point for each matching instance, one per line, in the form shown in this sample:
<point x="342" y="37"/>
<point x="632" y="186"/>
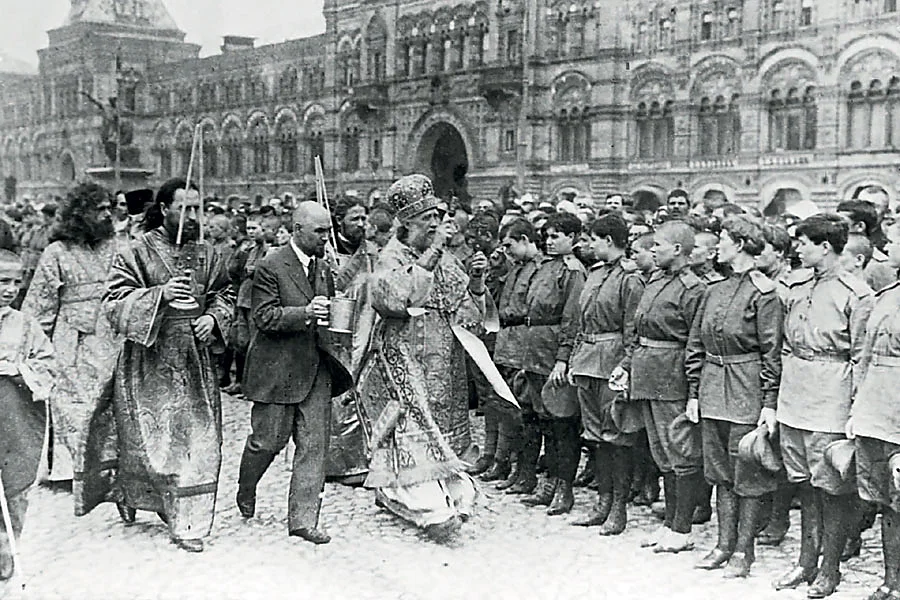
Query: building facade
<point x="768" y="101"/>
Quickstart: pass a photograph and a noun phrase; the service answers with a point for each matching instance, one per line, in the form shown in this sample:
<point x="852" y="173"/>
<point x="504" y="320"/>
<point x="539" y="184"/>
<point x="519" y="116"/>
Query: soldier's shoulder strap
<point x="689" y="278"/>
<point x="761" y="282"/>
<point x="573" y="264"/>
<point x="855" y="284"/>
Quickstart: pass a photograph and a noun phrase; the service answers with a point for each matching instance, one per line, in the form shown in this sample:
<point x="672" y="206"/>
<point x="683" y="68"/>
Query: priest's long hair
<point x="72" y="223"/>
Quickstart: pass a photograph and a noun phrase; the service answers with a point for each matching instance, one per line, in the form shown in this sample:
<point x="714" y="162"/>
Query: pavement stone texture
<point x="506" y="551"/>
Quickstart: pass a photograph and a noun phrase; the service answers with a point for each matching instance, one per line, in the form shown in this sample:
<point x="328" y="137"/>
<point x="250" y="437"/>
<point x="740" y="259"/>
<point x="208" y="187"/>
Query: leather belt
<point x="666" y="344"/>
<point x="593" y="338"/>
<point x="529" y="322"/>
<point x="732" y="359"/>
<point x="810" y="355"/>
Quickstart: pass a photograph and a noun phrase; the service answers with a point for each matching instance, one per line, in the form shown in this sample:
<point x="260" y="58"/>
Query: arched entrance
<point x="442" y="154"/>
<point x="790" y="201"/>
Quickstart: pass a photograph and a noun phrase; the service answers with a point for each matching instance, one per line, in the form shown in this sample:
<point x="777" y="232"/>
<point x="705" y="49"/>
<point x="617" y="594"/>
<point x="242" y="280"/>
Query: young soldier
<point x="519" y="242"/>
<point x="549" y="405"/>
<point x="825" y="320"/>
<point x="608" y="301"/>
<point x="875" y="421"/>
<point x="733" y="365"/>
<point x="655" y="370"/>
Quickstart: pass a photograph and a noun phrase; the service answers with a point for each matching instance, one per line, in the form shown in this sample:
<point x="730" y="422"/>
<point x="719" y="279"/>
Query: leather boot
<point x="544" y="496"/>
<point x="703" y="511"/>
<point x="688" y="488"/>
<point x="806" y="569"/>
<point x="563" y="499"/>
<point x="498" y="471"/>
<point x="670" y="490"/>
<point x="600" y="461"/>
<point x="528" y="457"/>
<point x="837" y="514"/>
<point x="586" y="476"/>
<point x="727" y="513"/>
<point x="853" y="547"/>
<point x="749" y="511"/>
<point x="511" y="479"/>
<point x="481" y="465"/>
<point x="779" y="517"/>
<point x="890" y="544"/>
<point x="618" y="514"/>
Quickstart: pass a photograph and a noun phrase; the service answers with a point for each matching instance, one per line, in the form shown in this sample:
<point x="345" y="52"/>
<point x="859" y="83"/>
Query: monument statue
<point x="116" y="130"/>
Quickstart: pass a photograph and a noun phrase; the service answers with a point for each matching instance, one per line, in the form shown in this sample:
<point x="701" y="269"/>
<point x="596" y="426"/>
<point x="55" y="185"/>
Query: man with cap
<point x="733" y="365"/>
<point x="824" y="328"/>
<point x="413" y="389"/>
<point x="653" y="369"/>
<point x="136" y="203"/>
<point x="678" y="204"/>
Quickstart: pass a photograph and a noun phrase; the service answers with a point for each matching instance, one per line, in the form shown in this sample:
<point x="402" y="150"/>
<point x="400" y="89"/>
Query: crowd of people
<point x="699" y="343"/>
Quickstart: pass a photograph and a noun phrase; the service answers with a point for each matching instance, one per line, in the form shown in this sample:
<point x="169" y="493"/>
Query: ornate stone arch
<point x="715" y="76"/>
<point x="285" y="113"/>
<point x="254" y="118"/>
<point x="770" y="186"/>
<point x="651" y="82"/>
<point x="774" y="61"/>
<point x="700" y="186"/>
<point x="853" y="181"/>
<point x="580" y="188"/>
<point x="877" y="46"/>
<point x="572" y="88"/>
<point x="433" y="117"/>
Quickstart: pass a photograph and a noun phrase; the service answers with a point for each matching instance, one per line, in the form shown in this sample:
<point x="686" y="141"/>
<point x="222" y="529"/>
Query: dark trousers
<point x="309" y="422"/>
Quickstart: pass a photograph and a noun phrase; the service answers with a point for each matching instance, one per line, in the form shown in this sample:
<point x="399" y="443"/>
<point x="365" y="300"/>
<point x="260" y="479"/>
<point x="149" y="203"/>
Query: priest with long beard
<point x="173" y="304"/>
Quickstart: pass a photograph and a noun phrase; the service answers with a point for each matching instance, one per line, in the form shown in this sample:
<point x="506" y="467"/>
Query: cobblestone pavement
<point x="506" y="551"/>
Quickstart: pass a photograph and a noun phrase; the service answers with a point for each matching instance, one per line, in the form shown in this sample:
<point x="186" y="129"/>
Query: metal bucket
<point x="341" y="315"/>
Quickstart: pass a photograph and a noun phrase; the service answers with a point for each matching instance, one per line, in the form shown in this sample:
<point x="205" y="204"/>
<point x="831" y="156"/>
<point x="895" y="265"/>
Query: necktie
<point x="311" y="274"/>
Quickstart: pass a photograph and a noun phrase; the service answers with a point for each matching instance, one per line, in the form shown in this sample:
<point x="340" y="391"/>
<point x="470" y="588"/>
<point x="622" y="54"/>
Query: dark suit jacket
<point x="285" y="353"/>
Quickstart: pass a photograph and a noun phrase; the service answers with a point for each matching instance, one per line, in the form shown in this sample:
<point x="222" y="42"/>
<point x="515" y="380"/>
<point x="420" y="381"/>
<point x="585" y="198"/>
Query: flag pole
<point x="187" y="187"/>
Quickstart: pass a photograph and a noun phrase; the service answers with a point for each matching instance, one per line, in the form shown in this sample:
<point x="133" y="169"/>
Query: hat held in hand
<point x="685" y="436"/>
<point x="756" y="448"/>
<point x="840" y="455"/>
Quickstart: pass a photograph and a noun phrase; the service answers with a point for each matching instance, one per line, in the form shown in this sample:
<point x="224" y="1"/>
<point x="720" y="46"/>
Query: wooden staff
<point x="200" y="179"/>
<point x="322" y="196"/>
<point x="187" y="186"/>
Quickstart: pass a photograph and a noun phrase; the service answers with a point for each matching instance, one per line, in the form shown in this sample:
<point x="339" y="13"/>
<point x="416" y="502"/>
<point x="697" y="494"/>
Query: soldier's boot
<point x="779" y="520"/>
<point x="544" y="495"/>
<point x="528" y="457"/>
<point x="688" y="487"/>
<point x="837" y="515"/>
<point x="807" y="566"/>
<point x="670" y="497"/>
<point x="727" y="513"/>
<point x="513" y="476"/>
<point x="703" y="511"/>
<point x="563" y="499"/>
<point x="618" y="514"/>
<point x="740" y="562"/>
<point x="599" y="460"/>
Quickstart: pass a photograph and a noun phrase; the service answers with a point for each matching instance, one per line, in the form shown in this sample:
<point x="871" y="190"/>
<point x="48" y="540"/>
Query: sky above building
<point x="24" y="24"/>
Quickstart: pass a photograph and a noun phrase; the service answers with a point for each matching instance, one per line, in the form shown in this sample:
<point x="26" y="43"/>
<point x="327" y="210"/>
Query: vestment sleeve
<point x="398" y="285"/>
<point x="42" y="301"/>
<point x="133" y="308"/>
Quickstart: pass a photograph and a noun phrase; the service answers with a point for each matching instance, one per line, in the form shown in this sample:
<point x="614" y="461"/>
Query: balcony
<point x="500" y="82"/>
<point x="369" y="97"/>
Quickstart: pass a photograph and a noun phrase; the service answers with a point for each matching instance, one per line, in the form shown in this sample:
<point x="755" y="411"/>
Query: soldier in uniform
<point x="608" y="301"/>
<point x="549" y="403"/>
<point x="863" y="217"/>
<point x="733" y="365"/>
<point x="518" y="241"/>
<point x="826" y="316"/>
<point x="655" y="368"/>
<point x="875" y="421"/>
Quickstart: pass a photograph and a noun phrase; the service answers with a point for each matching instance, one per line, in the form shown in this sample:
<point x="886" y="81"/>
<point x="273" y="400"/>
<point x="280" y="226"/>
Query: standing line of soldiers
<point x="737" y="372"/>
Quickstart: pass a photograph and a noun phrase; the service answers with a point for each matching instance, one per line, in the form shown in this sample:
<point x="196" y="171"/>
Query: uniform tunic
<point x="512" y="306"/>
<point x="876" y="421"/>
<point x="733" y="358"/>
<point x="608" y="301"/>
<point x="662" y="324"/>
<point x="733" y="365"/>
<point x="825" y="320"/>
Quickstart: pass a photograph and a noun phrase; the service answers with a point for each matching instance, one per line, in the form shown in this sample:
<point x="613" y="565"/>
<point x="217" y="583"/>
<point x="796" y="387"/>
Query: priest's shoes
<point x="126" y="513"/>
<point x="796" y="576"/>
<point x="189" y="545"/>
<point x="824" y="585"/>
<point x="716" y="559"/>
<point x="311" y="534"/>
<point x="246" y="504"/>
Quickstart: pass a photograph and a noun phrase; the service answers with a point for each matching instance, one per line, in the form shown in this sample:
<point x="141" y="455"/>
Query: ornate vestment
<point x="413" y="387"/>
<point x="166" y="398"/>
<point x="65" y="297"/>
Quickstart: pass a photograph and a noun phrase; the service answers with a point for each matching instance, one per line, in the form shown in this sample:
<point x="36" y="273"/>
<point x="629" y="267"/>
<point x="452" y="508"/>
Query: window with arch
<point x="479" y="43"/>
<point x="207" y="95"/>
<point x="163" y="155"/>
<point x="719" y="126"/>
<point x="350" y="144"/>
<point x="210" y="151"/>
<point x="874" y="114"/>
<point x="234" y="150"/>
<point x="665" y="33"/>
<point x="706" y="26"/>
<point x="287" y="145"/>
<point x="792" y="119"/>
<point x="573" y="135"/>
<point x="376" y="50"/>
<point x="315" y="142"/>
<point x="777" y="16"/>
<point x="183" y="149"/>
<point x="643" y="36"/>
<point x="375" y="150"/>
<point x="232" y="92"/>
<point x="259" y="146"/>
<point x="348" y="62"/>
<point x="287" y="83"/>
<point x="806" y="13"/>
<point x="733" y="20"/>
<point x="655" y="129"/>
